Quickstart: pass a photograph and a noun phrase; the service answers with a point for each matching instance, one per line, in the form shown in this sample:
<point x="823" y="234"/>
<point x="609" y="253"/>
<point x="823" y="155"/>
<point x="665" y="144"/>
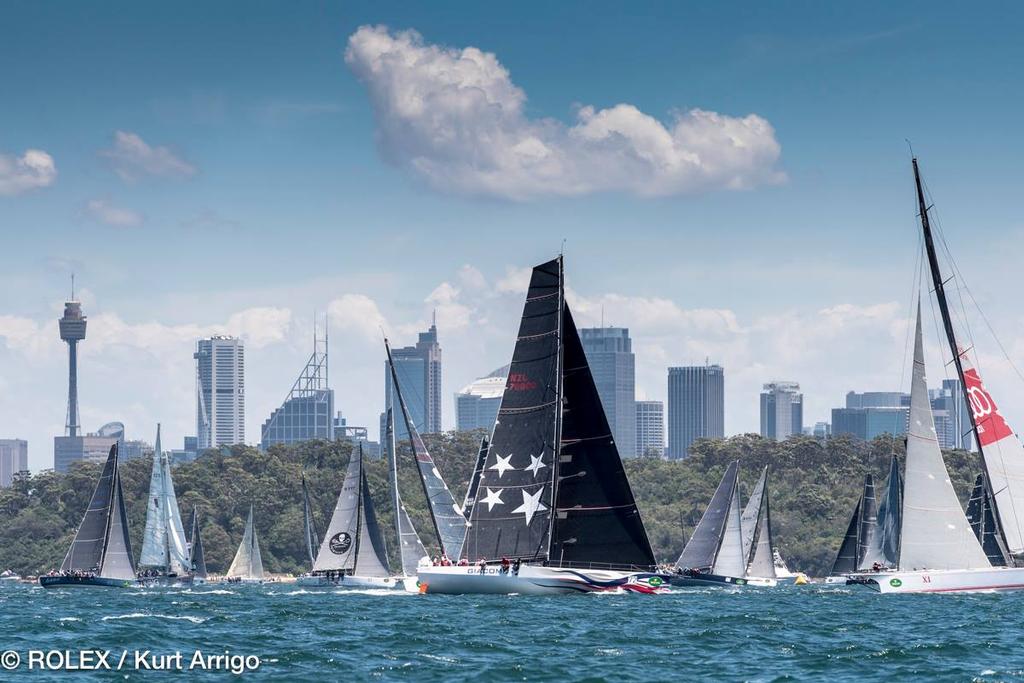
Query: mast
<point x="947" y="323"/>
<point x="560" y="405"/>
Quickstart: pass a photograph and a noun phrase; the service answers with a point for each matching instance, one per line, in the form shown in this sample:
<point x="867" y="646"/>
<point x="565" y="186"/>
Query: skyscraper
<point x="476" y="405"/>
<point x="650" y="429"/>
<point x="419" y="377"/>
<point x="308" y="411"/>
<point x="952" y="423"/>
<point x="696" y="406"/>
<point x="609" y="352"/>
<point x="220" y="391"/>
<point x="872" y="413"/>
<point x="782" y="410"/>
<point x="13" y="459"/>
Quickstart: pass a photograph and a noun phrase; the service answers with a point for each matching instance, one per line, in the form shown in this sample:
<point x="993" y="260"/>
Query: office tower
<point x="419" y="377"/>
<point x="610" y="355"/>
<point x="220" y="392"/>
<point x="820" y="430"/>
<point x="187" y="453"/>
<point x="650" y="429"/>
<point x="782" y="410"/>
<point x="13" y="459"/>
<point x="952" y="423"/>
<point x="476" y="405"/>
<point x="308" y="411"/>
<point x="92" y="447"/>
<point x="872" y="413"/>
<point x="696" y="406"/>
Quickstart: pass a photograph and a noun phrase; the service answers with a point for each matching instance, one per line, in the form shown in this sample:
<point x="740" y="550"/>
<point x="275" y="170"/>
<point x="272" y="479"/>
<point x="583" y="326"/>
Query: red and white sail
<point x="1004" y="456"/>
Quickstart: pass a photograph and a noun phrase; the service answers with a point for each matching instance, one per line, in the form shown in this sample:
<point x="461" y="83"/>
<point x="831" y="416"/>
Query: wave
<point x="141" y="615"/>
<point x="215" y="591"/>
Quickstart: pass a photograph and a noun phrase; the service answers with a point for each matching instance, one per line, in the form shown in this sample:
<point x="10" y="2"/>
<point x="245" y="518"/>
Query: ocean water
<point x="788" y="634"/>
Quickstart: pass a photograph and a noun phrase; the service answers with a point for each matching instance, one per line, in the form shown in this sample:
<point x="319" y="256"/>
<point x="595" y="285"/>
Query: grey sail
<point x="751" y="513"/>
<point x="868" y="539"/>
<point x="702" y="548"/>
<point x="981" y="516"/>
<point x="86" y="551"/>
<point x="338" y="548"/>
<point x="309" y="524"/>
<point x="196" y="553"/>
<point x="760" y="557"/>
<point x="730" y="560"/>
<point x="935" y="533"/>
<point x="117" y="555"/>
<point x="474" y="482"/>
<point x="410" y="548"/>
<point x="248" y="562"/>
<point x="885" y="546"/>
<point x="371" y="558"/>
<point x="163" y="542"/>
<point x="846" y="558"/>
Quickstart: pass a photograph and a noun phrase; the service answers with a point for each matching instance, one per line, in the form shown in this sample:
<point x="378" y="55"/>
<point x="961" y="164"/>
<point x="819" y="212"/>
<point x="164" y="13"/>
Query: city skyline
<point x="235" y="188"/>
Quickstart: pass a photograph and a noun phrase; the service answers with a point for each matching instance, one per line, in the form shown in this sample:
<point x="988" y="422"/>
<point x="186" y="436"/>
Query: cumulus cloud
<point x="357" y="313"/>
<point x="103" y="211"/>
<point x="132" y="158"/>
<point x="456" y="119"/>
<point x="30" y="171"/>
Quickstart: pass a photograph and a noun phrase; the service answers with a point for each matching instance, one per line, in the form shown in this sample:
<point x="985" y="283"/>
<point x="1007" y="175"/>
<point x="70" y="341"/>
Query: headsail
<point x="248" y="562"/>
<point x="751" y="512"/>
<point x="981" y="517"/>
<point x="196" y="553"/>
<point x="410" y="547"/>
<point x="760" y="557"/>
<point x="885" y="547"/>
<point x="730" y="560"/>
<point x="309" y="524"/>
<point x="936" y="534"/>
<point x="702" y="548"/>
<point x="371" y="558"/>
<point x="846" y="558"/>
<point x="474" y="482"/>
<point x="449" y="522"/>
<point x="163" y="541"/>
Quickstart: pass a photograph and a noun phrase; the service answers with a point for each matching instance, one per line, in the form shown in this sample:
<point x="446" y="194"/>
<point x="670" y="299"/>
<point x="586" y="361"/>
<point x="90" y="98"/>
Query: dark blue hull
<point x="84" y="581"/>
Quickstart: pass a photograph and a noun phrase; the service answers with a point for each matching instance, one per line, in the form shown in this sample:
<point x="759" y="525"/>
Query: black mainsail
<point x="702" y="549"/>
<point x="868" y="531"/>
<point x="982" y="519"/>
<point x="551" y="487"/>
<point x="196" y="554"/>
<point x="846" y="558"/>
<point x="101" y="545"/>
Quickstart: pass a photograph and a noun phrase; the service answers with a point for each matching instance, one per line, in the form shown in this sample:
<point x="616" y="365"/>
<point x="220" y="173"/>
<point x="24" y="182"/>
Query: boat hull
<point x="943" y="581"/>
<point x="167" y="581"/>
<point x="347" y="581"/>
<point x="535" y="580"/>
<point x="708" y="580"/>
<point x="85" y="582"/>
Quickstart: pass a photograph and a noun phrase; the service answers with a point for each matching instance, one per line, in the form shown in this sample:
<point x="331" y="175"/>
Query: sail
<point x="154" y="537"/>
<point x="309" y="524"/>
<point x="597" y="518"/>
<point x="730" y="560"/>
<point x="118" y="562"/>
<point x="751" y="513"/>
<point x="196" y="553"/>
<point x="371" y="558"/>
<point x="511" y="516"/>
<point x="177" y="547"/>
<point x="338" y="548"/>
<point x="410" y="548"/>
<point x="449" y="522"/>
<point x="935" y="534"/>
<point x="86" y="551"/>
<point x="867" y="536"/>
<point x="761" y="562"/>
<point x="248" y="562"/>
<point x="846" y="558"/>
<point x="1003" y="455"/>
<point x="702" y="547"/>
<point x="474" y="482"/>
<point x="982" y="519"/>
<point x="885" y="546"/>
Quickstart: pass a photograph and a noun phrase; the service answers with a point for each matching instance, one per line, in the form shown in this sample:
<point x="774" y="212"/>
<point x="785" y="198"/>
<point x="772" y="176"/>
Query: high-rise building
<point x="696" y="406"/>
<point x="476" y="406"/>
<point x="952" y="422"/>
<point x="13" y="459"/>
<point x="220" y="392"/>
<point x="872" y="413"/>
<point x="308" y="411"/>
<point x="650" y="429"/>
<point x="820" y="431"/>
<point x="782" y="410"/>
<point x="609" y="352"/>
<point x="419" y="377"/>
<point x="92" y="447"/>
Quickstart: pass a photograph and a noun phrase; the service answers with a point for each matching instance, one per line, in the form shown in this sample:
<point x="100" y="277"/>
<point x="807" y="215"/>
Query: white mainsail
<point x="338" y="548"/>
<point x="730" y="560"/>
<point x="163" y="541"/>
<point x="936" y="534"/>
<point x="762" y="560"/>
<point x="1003" y="454"/>
<point x="248" y="562"/>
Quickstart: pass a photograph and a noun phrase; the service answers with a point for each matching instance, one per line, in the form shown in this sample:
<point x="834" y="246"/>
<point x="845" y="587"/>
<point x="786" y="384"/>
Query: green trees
<point x="813" y="488"/>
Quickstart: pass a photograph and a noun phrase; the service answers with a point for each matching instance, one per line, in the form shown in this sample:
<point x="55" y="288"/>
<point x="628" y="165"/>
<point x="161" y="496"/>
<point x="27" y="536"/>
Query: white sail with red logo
<point x="1003" y="454"/>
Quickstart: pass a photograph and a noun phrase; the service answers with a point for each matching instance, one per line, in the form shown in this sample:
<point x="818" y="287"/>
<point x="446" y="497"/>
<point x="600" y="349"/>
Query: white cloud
<point x="30" y="171"/>
<point x="115" y="216"/>
<point x="133" y="158"/>
<point x="456" y="119"/>
<point x="359" y="313"/>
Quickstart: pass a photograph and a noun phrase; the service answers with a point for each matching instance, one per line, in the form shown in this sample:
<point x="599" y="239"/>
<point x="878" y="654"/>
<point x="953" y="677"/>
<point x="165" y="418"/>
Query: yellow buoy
<point x="801" y="579"/>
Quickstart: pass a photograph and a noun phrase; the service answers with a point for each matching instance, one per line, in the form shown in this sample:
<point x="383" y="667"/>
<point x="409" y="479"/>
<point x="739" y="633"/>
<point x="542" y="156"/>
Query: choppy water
<point x="792" y="633"/>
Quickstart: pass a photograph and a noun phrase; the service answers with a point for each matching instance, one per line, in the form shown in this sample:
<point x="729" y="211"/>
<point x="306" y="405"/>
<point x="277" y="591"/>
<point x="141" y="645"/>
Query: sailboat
<point x="165" y="555"/>
<point x="352" y="551"/>
<point x="553" y="510"/>
<point x="939" y="551"/>
<point x="729" y="547"/>
<point x="872" y="538"/>
<point x="411" y="552"/>
<point x="196" y="554"/>
<point x="309" y="525"/>
<point x="101" y="553"/>
<point x="247" y="567"/>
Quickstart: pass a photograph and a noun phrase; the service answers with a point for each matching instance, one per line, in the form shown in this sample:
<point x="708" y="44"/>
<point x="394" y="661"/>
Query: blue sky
<point x="271" y="183"/>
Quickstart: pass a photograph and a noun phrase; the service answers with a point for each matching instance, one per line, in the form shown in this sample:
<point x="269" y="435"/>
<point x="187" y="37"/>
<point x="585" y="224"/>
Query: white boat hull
<point x="944" y="580"/>
<point x="709" y="580"/>
<point x="534" y="580"/>
<point x="387" y="582"/>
